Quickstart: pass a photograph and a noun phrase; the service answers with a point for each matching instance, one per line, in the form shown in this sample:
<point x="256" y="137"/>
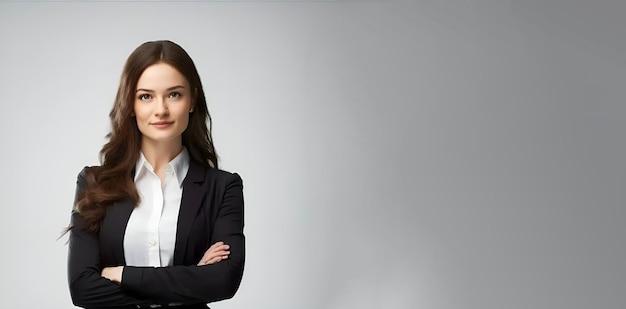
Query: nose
<point x="160" y="108"/>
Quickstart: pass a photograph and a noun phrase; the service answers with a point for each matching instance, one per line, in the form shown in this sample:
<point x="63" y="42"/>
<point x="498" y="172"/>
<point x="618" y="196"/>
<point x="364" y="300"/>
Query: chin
<point x="163" y="138"/>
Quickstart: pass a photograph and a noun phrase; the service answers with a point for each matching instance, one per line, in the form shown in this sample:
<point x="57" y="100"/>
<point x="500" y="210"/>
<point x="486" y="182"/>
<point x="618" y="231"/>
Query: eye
<point x="175" y="95"/>
<point x="144" y="97"/>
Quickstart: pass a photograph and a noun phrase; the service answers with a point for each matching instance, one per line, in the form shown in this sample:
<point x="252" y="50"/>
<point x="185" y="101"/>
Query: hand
<point x="216" y="253"/>
<point x="113" y="273"/>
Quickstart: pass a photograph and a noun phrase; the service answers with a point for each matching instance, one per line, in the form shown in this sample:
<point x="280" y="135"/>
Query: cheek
<point x="184" y="115"/>
<point x="184" y="119"/>
<point x="141" y="114"/>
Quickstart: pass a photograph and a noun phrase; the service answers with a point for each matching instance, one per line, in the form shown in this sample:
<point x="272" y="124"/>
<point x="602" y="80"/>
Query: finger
<point x="217" y="254"/>
<point x="212" y="249"/>
<point x="215" y="245"/>
<point x="214" y="252"/>
<point x="207" y="261"/>
<point x="206" y="257"/>
<point x="214" y="260"/>
<point x="218" y="258"/>
<point x="217" y="249"/>
<point x="212" y="255"/>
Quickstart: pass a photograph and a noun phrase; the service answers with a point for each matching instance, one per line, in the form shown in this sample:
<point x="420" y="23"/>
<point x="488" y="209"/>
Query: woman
<point x="157" y="224"/>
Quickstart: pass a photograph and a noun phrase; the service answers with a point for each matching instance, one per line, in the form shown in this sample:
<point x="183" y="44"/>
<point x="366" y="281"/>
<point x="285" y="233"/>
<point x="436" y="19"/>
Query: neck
<point x="161" y="153"/>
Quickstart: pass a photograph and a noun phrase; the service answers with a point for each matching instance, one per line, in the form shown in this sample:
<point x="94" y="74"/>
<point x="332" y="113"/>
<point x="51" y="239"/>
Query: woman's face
<point x="162" y="104"/>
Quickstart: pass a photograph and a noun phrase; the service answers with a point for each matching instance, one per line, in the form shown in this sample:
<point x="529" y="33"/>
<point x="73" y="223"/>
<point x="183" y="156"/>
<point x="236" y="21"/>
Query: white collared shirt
<point x="151" y="230"/>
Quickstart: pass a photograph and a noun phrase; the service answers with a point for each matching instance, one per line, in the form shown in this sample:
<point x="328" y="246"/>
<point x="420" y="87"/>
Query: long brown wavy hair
<point x="112" y="180"/>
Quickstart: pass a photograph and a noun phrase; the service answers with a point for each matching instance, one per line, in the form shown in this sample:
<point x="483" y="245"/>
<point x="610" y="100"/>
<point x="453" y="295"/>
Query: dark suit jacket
<point x="211" y="210"/>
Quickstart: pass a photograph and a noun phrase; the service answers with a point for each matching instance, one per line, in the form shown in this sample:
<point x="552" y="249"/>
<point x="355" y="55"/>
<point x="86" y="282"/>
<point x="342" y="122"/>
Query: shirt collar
<point x="180" y="165"/>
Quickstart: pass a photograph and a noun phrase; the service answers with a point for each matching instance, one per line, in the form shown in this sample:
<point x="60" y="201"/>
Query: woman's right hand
<point x="217" y="252"/>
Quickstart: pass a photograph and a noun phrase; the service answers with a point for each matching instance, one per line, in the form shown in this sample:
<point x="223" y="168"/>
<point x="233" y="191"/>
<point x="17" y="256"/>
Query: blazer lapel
<point x="190" y="204"/>
<point x="113" y="229"/>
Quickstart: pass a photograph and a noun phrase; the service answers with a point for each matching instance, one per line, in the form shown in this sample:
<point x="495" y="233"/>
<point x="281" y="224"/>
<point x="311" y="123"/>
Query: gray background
<point x="423" y="154"/>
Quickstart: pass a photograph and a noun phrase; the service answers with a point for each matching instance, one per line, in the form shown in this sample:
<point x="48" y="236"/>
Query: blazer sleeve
<point x="88" y="288"/>
<point x="189" y="284"/>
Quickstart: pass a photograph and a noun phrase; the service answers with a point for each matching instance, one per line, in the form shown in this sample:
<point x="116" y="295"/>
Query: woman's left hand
<point x="113" y="273"/>
<point x="216" y="253"/>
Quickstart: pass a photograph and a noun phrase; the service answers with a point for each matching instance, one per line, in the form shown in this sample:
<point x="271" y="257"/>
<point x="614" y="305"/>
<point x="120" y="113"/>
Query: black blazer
<point x="211" y="210"/>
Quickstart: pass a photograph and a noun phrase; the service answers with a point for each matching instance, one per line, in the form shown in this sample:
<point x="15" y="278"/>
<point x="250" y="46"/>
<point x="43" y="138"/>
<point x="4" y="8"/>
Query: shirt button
<point x="152" y="243"/>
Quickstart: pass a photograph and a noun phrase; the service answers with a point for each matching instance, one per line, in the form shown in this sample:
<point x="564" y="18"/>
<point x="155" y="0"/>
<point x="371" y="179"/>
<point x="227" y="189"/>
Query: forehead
<point x="161" y="76"/>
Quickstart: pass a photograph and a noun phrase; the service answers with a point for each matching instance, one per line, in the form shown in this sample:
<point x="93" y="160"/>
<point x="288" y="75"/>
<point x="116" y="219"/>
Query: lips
<point x="161" y="124"/>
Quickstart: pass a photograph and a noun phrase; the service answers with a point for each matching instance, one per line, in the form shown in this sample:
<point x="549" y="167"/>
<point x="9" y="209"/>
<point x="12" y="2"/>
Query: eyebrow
<point x="168" y="89"/>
